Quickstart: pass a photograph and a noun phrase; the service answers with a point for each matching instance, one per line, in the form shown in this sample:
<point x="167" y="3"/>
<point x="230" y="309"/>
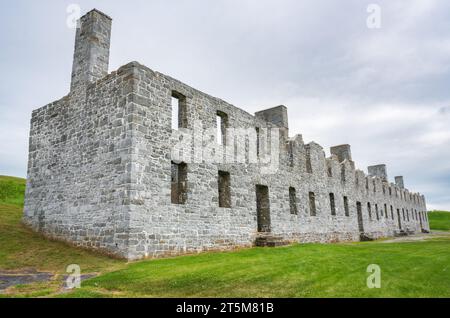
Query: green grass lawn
<point x="419" y="269"/>
<point x="408" y="269"/>
<point x="439" y="220"/>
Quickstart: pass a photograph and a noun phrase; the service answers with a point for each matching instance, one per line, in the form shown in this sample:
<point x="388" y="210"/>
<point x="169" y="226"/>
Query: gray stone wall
<point x="100" y="167"/>
<point x="79" y="167"/>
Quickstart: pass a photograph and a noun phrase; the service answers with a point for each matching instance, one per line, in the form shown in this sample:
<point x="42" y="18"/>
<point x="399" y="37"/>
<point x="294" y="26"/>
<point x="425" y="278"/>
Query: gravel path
<point x="417" y="237"/>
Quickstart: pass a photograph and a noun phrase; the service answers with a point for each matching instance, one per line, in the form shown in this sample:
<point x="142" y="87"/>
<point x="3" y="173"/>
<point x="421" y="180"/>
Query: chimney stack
<point x="342" y="152"/>
<point x="399" y="182"/>
<point x="91" y="55"/>
<point x="378" y="171"/>
<point x="277" y="116"/>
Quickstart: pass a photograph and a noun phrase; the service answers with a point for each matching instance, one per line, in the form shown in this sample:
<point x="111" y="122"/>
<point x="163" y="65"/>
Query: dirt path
<point x="28" y="276"/>
<point x="11" y="278"/>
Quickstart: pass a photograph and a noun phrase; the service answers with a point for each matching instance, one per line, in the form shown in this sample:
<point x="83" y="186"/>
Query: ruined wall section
<point x="100" y="173"/>
<point x="158" y="227"/>
<point x="79" y="167"/>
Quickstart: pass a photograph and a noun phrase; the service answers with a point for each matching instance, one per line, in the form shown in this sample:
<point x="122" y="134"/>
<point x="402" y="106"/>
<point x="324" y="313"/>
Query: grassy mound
<point x="439" y="220"/>
<point x="12" y="190"/>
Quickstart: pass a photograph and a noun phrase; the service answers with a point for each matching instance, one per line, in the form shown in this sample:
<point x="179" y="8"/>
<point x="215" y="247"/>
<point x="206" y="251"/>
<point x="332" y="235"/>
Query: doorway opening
<point x="360" y="217"/>
<point x="263" y="208"/>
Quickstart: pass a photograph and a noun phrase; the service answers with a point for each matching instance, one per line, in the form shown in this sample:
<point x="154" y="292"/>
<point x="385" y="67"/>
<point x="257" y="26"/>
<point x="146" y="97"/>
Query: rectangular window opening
<point x="293" y="201"/>
<point x="224" y="189"/>
<point x="222" y="125"/>
<point x="257" y="141"/>
<point x="178" y="183"/>
<point x="312" y="204"/>
<point x="346" y="209"/>
<point x="179" y="114"/>
<point x="332" y="204"/>
<point x="308" y="161"/>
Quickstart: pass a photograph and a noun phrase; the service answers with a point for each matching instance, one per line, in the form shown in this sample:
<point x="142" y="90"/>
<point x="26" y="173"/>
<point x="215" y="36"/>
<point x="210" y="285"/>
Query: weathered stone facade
<point x="102" y="172"/>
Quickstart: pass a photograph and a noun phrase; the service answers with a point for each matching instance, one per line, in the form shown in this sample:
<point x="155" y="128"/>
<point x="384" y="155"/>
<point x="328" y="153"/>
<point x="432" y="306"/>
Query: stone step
<point x="269" y="240"/>
<point x="400" y="233"/>
<point x="364" y="237"/>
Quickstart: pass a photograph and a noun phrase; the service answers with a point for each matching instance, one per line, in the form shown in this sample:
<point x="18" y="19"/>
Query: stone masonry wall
<point x="158" y="227"/>
<point x="79" y="167"/>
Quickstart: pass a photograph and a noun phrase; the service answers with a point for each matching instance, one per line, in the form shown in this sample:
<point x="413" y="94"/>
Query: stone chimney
<point x="91" y="55"/>
<point x="277" y="116"/>
<point x="399" y="182"/>
<point x="342" y="152"/>
<point x="378" y="171"/>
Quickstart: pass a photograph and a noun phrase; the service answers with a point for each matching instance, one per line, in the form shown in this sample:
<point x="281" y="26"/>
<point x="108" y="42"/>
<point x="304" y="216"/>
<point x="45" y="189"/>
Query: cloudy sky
<point x="385" y="91"/>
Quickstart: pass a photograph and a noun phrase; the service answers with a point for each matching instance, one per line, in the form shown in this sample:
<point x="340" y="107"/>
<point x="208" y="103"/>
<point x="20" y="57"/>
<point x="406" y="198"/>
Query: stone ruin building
<point x="102" y="173"/>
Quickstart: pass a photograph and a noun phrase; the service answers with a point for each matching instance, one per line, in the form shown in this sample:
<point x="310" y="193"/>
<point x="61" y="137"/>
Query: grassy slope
<point x="12" y="190"/>
<point x="22" y="248"/>
<point x="408" y="269"/>
<point x="439" y="220"/>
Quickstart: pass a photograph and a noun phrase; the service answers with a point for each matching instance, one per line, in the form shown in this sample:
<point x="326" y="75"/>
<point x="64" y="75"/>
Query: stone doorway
<point x="360" y="217"/>
<point x="399" y="220"/>
<point x="263" y="208"/>
<point x="420" y="219"/>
